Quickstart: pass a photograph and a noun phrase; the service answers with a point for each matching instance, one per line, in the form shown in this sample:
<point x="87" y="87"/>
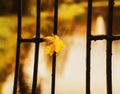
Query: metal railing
<point x="35" y="40"/>
<point x="108" y="37"/>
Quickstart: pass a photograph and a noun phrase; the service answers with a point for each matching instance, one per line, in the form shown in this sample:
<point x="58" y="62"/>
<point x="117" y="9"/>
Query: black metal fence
<point x="108" y="37"/>
<point x="35" y="40"/>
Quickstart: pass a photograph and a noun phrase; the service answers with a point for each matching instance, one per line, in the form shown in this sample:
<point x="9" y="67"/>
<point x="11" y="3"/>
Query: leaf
<point x="54" y="44"/>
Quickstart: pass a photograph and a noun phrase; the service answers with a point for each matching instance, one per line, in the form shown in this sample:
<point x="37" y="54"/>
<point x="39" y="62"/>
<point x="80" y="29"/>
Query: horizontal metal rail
<point x="101" y="37"/>
<point x="32" y="40"/>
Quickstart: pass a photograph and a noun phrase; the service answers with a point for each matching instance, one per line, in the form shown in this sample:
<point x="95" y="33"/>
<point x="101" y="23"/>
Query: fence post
<point x="18" y="46"/>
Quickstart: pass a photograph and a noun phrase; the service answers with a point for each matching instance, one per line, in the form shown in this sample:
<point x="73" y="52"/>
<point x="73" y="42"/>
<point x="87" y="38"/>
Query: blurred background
<point x="72" y="24"/>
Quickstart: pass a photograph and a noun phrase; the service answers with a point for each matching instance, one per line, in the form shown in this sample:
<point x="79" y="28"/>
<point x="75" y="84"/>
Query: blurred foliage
<point x="7" y="45"/>
<point x="68" y="12"/>
<point x="7" y="42"/>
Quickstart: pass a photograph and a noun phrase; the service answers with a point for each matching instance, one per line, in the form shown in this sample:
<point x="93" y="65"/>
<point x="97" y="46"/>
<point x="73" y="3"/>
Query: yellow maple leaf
<point x="54" y="44"/>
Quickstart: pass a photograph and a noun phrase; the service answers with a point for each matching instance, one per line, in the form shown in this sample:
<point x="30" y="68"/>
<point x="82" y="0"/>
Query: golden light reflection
<point x="100" y="25"/>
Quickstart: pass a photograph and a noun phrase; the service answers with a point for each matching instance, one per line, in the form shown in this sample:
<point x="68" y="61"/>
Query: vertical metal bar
<point x="36" y="48"/>
<point x="55" y="16"/>
<point x="109" y="47"/>
<point x="53" y="73"/>
<point x="54" y="55"/>
<point x="18" y="46"/>
<point x="89" y="18"/>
